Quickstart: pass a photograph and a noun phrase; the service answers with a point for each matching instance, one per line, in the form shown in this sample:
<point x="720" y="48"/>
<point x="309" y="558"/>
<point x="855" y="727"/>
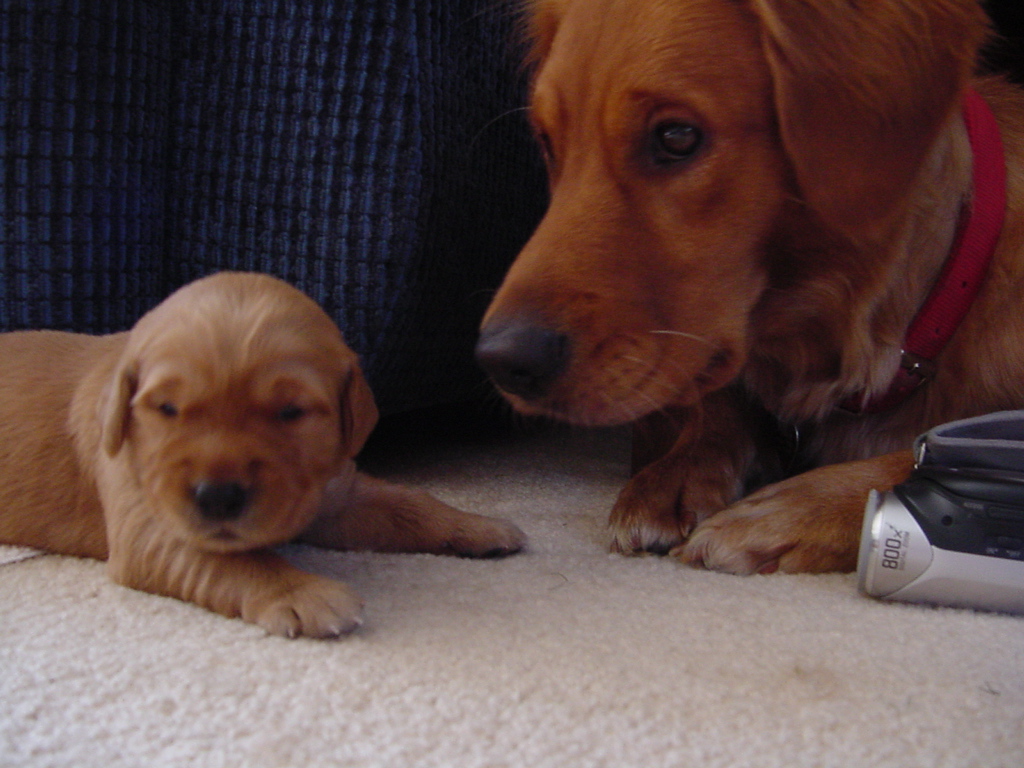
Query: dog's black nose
<point x="220" y="501"/>
<point x="523" y="359"/>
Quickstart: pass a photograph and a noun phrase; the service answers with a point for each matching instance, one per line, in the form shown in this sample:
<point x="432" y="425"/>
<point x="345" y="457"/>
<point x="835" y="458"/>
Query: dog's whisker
<point x="685" y="335"/>
<point x="652" y="379"/>
<point x="628" y="414"/>
<point x="637" y="360"/>
<point x="494" y="120"/>
<point x="639" y="391"/>
<point x="655" y="376"/>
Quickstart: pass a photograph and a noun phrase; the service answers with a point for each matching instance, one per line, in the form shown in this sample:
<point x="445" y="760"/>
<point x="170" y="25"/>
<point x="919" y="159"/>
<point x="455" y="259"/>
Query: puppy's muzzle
<point x="221" y="501"/>
<point x="523" y="358"/>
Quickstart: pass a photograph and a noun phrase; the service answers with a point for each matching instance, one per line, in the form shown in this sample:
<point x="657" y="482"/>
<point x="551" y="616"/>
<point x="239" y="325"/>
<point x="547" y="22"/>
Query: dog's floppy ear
<point x="861" y="90"/>
<point x="358" y="410"/>
<point x="116" y="406"/>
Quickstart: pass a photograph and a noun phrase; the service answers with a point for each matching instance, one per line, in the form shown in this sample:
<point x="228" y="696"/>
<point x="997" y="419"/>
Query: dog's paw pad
<point x="320" y="608"/>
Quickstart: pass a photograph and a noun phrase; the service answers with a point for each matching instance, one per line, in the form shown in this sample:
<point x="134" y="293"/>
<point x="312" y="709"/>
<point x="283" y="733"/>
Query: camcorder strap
<point x="994" y="442"/>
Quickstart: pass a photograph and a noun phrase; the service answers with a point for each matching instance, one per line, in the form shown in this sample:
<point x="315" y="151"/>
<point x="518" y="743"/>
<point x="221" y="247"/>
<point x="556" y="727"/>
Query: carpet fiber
<point x="562" y="656"/>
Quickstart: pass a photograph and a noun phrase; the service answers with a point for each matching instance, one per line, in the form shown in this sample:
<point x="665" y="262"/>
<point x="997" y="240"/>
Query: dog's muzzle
<point x="523" y="359"/>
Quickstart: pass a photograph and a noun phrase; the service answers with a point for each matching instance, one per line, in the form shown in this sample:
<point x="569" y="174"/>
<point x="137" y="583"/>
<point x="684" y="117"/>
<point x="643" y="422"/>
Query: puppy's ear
<point x="538" y="25"/>
<point x="358" y="411"/>
<point x="116" y="406"/>
<point x="861" y="91"/>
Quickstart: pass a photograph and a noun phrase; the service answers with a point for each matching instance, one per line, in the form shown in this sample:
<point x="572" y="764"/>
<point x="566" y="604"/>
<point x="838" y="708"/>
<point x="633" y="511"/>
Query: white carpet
<point x="563" y="656"/>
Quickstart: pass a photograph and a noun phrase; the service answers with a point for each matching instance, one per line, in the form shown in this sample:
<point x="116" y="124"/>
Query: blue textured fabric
<point x="83" y="122"/>
<point x="371" y="153"/>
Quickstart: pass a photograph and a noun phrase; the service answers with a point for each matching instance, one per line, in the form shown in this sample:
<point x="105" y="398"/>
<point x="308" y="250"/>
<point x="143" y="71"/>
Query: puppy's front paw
<point x="315" y="607"/>
<point x="386" y="517"/>
<point x="479" y="536"/>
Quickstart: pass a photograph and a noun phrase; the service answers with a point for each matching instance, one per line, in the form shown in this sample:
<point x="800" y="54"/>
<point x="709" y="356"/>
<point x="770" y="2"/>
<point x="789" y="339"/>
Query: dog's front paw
<point x="807" y="524"/>
<point x="647" y="515"/>
<point x="801" y="525"/>
<point x="665" y="501"/>
<point x="315" y="607"/>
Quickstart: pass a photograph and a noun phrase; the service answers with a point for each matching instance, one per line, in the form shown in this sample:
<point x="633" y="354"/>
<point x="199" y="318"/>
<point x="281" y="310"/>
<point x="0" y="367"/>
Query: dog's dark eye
<point x="676" y="141"/>
<point x="290" y="413"/>
<point x="168" y="409"/>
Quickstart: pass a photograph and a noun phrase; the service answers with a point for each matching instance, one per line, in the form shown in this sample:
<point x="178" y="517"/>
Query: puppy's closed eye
<point x="290" y="413"/>
<point x="168" y="409"/>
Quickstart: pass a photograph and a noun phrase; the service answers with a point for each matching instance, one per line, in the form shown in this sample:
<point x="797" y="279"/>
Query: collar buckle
<point x="919" y="366"/>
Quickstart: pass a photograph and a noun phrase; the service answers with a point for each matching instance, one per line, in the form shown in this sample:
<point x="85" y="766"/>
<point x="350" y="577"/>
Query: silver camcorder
<point x="953" y="533"/>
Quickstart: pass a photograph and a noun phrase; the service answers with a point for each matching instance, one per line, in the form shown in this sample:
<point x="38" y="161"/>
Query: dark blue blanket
<point x="369" y="151"/>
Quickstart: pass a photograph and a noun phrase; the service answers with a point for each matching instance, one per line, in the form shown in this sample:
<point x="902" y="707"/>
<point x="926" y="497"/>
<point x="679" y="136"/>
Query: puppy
<point x="224" y="423"/>
<point x="782" y="235"/>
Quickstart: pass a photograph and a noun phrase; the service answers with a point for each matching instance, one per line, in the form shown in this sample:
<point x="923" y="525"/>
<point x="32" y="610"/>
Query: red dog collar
<point x="962" y="275"/>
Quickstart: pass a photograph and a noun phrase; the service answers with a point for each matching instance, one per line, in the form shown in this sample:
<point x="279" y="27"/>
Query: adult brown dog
<point x="750" y="202"/>
<point x="223" y="423"/>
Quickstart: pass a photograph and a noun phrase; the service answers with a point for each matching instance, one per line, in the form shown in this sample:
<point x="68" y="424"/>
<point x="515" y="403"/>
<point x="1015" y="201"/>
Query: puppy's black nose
<point x="523" y="359"/>
<point x="220" y="501"/>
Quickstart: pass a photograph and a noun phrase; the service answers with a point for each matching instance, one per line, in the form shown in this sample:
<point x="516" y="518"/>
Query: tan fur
<point x="777" y="270"/>
<point x="236" y="378"/>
